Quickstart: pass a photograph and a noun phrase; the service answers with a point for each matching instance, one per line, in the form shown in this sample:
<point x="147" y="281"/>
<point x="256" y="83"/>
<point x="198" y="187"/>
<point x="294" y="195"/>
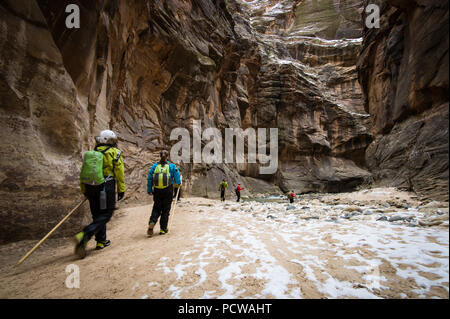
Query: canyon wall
<point x="404" y="70"/>
<point x="142" y="68"/>
<point x="307" y="86"/>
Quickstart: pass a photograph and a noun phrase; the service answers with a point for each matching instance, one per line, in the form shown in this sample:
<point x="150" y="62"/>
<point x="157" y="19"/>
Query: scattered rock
<point x="397" y="218"/>
<point x="350" y="215"/>
<point x="398" y="204"/>
<point x="357" y="286"/>
<point x="430" y="223"/>
<point x="435" y="204"/>
<point x="308" y="217"/>
<point x="352" y="209"/>
<point x="391" y="210"/>
<point x="440" y="217"/>
<point x="382" y="218"/>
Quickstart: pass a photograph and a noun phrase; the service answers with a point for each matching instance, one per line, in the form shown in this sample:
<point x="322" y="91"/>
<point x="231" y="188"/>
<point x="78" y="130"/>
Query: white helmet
<point x="106" y="137"/>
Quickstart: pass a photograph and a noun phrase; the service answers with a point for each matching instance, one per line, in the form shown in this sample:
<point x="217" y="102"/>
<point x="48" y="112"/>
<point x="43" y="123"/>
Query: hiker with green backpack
<point x="102" y="171"/>
<point x="222" y="187"/>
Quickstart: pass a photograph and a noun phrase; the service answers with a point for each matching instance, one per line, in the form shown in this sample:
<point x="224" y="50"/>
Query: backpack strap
<point x="118" y="156"/>
<point x="116" y="159"/>
<point x="104" y="151"/>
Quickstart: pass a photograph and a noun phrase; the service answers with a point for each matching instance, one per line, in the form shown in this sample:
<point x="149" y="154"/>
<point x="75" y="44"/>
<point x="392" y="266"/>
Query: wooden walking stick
<point x="51" y="232"/>
<point x="173" y="208"/>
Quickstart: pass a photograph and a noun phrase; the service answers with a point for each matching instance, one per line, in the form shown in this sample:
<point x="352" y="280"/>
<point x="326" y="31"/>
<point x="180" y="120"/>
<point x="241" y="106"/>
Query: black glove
<point x="120" y="196"/>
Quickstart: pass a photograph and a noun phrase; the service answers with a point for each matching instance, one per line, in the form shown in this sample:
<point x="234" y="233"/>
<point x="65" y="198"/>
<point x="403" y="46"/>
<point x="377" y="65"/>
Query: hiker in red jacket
<point x="291" y="197"/>
<point x="238" y="189"/>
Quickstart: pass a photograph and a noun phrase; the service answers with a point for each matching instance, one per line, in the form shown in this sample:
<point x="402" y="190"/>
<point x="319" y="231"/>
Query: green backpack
<point x="92" y="169"/>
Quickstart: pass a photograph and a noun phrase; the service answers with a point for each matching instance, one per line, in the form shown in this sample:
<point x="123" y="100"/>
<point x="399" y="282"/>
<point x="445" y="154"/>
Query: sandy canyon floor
<point x="378" y="243"/>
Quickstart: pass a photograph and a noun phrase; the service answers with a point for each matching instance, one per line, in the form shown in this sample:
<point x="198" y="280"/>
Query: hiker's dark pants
<point x="100" y="217"/>
<point x="238" y="194"/>
<point x="222" y="195"/>
<point x="291" y="200"/>
<point x="162" y="199"/>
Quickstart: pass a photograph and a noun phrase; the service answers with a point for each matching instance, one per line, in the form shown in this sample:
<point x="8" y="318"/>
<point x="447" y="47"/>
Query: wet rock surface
<point x="377" y="204"/>
<point x="403" y="70"/>
<point x="307" y="87"/>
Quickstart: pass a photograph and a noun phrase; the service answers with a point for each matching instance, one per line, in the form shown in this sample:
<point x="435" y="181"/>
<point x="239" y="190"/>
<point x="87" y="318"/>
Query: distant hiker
<point x="222" y="186"/>
<point x="238" y="189"/>
<point x="161" y="180"/>
<point x="291" y="196"/>
<point x="102" y="169"/>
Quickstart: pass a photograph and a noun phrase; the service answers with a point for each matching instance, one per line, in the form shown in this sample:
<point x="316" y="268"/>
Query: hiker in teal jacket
<point x="162" y="178"/>
<point x="174" y="173"/>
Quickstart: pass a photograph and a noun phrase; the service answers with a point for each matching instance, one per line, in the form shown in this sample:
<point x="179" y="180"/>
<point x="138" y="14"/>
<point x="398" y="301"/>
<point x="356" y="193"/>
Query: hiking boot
<point x="150" y="230"/>
<point x="80" y="245"/>
<point x="163" y="231"/>
<point x="102" y="244"/>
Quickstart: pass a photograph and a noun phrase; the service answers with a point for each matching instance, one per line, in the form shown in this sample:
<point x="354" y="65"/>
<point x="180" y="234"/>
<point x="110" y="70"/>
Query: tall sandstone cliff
<point x="404" y="72"/>
<point x="144" y="67"/>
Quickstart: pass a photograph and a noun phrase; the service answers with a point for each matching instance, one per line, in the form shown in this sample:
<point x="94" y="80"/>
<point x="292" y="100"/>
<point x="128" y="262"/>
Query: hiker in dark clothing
<point x="102" y="208"/>
<point x="222" y="186"/>
<point x="238" y="189"/>
<point x="291" y="196"/>
<point x="162" y="178"/>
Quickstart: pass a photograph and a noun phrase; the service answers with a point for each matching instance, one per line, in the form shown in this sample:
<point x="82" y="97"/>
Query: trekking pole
<point x="51" y="232"/>
<point x="173" y="208"/>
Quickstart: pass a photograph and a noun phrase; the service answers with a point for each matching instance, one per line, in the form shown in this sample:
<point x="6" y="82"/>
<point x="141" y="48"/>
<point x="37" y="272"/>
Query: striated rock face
<point x="142" y="68"/>
<point x="403" y="70"/>
<point x="130" y="67"/>
<point x="307" y="87"/>
<point x="44" y="126"/>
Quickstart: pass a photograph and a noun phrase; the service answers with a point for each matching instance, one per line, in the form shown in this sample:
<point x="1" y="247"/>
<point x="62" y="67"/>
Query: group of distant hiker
<point x="237" y="189"/>
<point x="224" y="185"/>
<point x="103" y="172"/>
